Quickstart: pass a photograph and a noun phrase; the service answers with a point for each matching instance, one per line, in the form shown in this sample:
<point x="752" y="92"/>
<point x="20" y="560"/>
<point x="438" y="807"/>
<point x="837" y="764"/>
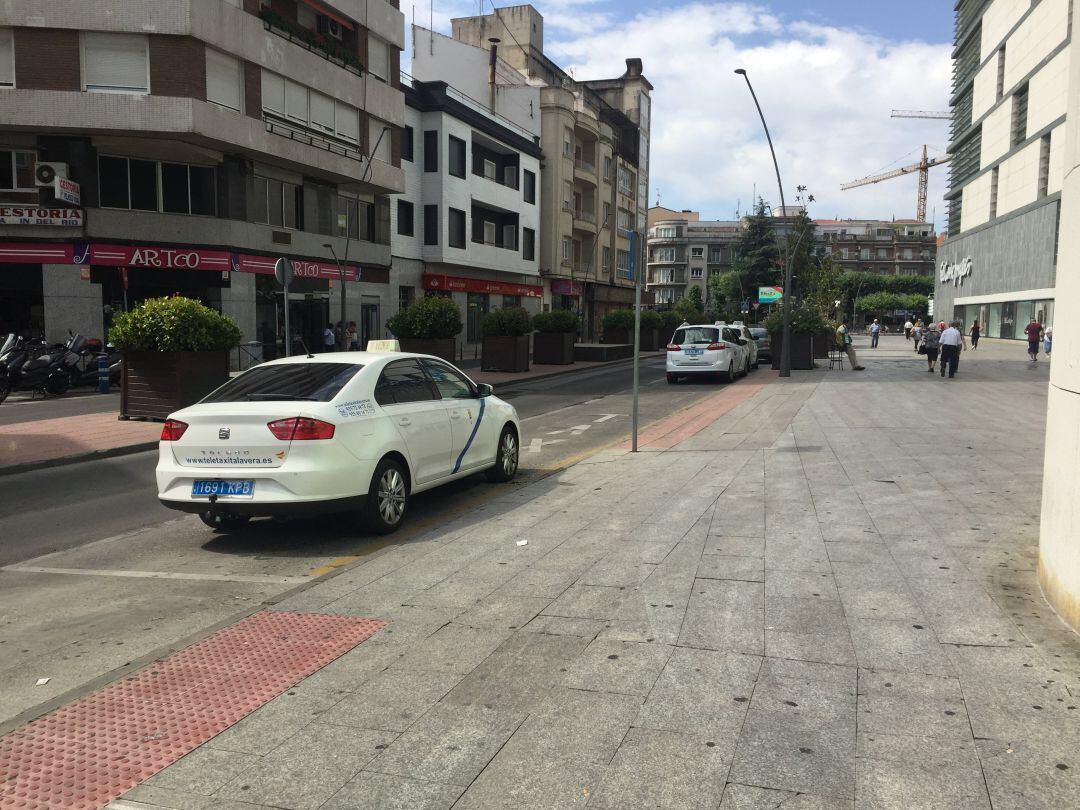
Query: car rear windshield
<point x="314" y="382"/>
<point x="696" y="334"/>
<point x="759" y="333"/>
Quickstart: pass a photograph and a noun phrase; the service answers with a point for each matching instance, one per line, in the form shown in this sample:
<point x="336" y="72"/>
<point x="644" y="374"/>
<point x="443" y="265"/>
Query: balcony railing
<point x="568" y="207"/>
<point x="297" y="34"/>
<point x="287" y="129"/>
<point x="585" y="166"/>
<point x="585" y="216"/>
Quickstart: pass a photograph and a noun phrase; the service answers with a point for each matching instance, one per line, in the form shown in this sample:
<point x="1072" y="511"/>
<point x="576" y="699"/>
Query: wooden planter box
<point x="439" y="347"/>
<point x="618" y="336"/>
<point x="154" y="384"/>
<point x="823" y="342"/>
<point x="553" y="348"/>
<point x="802" y="351"/>
<point x="650" y="340"/>
<point x="505" y="353"/>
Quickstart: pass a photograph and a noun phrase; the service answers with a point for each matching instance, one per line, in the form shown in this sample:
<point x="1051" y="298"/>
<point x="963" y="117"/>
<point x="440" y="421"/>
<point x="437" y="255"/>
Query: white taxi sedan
<point x="337" y="432"/>
<point x="713" y="349"/>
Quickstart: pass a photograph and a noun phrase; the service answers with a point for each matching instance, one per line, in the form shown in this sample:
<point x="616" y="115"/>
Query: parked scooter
<point x="84" y="371"/>
<point x="26" y="367"/>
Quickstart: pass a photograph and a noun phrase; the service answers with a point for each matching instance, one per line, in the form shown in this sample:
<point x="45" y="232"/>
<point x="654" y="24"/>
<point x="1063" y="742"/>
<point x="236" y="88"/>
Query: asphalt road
<point x="95" y="574"/>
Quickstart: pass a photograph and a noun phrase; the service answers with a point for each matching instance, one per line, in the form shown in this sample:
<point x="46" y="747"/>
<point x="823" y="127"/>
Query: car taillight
<point x="715" y="347"/>
<point x="301" y="428"/>
<point x="172" y="430"/>
<point x="674" y="347"/>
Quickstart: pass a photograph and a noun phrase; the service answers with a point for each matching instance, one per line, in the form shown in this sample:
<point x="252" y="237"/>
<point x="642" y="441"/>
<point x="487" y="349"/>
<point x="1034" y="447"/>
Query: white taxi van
<point x="350" y="432"/>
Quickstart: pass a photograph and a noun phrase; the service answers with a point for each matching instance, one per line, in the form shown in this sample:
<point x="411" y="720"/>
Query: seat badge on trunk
<point x="224" y="433"/>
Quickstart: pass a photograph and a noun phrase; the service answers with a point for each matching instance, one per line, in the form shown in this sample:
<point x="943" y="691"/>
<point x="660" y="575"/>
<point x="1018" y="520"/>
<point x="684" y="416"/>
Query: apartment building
<point x="595" y="138"/>
<point x="1010" y="80"/>
<point x="885" y="247"/>
<point x="156" y="148"/>
<point x="684" y="250"/>
<point x="467" y="223"/>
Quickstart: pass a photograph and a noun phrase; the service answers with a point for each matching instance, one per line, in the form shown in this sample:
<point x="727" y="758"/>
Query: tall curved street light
<point x="785" y="340"/>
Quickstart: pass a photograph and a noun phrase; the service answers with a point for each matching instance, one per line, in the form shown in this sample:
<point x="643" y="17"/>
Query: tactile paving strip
<point x="89" y="752"/>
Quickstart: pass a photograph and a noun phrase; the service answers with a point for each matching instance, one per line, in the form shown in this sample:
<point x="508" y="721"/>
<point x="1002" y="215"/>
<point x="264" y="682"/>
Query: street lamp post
<point x="785" y="340"/>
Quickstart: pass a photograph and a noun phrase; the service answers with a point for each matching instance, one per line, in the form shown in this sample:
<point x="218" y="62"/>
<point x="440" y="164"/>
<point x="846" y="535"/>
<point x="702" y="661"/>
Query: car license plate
<point x="693" y="352"/>
<point x="223" y="489"/>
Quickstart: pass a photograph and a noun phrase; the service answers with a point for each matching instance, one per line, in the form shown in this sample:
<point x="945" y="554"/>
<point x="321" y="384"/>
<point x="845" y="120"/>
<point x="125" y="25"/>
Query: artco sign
<point x="956" y="272"/>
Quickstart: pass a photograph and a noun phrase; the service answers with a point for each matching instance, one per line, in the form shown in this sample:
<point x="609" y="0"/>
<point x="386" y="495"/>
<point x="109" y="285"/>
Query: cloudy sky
<point x="827" y="73"/>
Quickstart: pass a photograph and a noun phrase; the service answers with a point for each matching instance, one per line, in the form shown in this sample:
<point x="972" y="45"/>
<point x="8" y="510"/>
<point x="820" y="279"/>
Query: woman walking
<point x="916" y="334"/>
<point x="1048" y="340"/>
<point x="975" y="332"/>
<point x="931" y="342"/>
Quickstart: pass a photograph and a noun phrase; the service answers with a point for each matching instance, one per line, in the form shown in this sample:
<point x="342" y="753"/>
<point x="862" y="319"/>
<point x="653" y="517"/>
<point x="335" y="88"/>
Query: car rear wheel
<point x="388" y="497"/>
<point x="672" y="379"/>
<point x="729" y="375"/>
<point x="506" y="459"/>
<point x="224" y="522"/>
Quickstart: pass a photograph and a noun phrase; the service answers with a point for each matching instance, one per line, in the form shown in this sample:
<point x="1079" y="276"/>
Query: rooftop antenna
<point x="431" y="27"/>
<point x="657" y="197"/>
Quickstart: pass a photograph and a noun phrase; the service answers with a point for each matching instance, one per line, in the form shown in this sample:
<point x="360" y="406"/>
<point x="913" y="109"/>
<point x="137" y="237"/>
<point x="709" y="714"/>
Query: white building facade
<point x="1010" y="79"/>
<point x="468" y="222"/>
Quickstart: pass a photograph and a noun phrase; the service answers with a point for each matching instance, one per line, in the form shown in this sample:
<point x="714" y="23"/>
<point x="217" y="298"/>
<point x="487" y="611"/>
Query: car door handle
<point x="404" y="420"/>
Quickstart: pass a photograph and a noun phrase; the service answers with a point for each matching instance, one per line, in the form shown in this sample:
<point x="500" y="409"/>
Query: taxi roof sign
<point x="383" y="346"/>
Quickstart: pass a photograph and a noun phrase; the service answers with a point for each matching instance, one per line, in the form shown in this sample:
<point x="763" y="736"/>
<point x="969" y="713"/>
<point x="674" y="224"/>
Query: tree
<point x="759" y="262"/>
<point x="694" y="296"/>
<point x="686" y="310"/>
<point x="820" y="284"/>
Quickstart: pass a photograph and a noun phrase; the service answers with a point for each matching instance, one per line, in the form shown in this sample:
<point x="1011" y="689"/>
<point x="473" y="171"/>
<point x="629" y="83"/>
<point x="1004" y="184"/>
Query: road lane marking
<point x="536" y="445"/>
<point x="607" y="416"/>
<point x="576" y="430"/>
<point x="90" y="572"/>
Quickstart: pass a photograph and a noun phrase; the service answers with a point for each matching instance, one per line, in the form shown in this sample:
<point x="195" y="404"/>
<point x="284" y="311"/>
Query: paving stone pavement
<point x="825" y="599"/>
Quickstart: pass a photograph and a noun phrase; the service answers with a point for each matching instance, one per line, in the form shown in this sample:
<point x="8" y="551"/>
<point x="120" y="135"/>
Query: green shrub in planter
<point x="173" y="325"/>
<point x="556" y="321"/>
<point x="621" y="320"/>
<point x="804" y="321"/>
<point x="508" y="322"/>
<point x="669" y="321"/>
<point x="650" y="320"/>
<point x="433" y="317"/>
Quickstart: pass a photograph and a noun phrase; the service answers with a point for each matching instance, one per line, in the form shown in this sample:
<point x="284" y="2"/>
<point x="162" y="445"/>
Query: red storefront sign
<point x="478" y="285"/>
<point x="564" y="286"/>
<point x="171" y="257"/>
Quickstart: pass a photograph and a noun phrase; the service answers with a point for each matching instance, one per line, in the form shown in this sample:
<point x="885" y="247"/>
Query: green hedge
<point x="433" y="317"/>
<point x="804" y="321"/>
<point x="507" y="322"/>
<point x="174" y="324"/>
<point x="619" y="319"/>
<point x="557" y="321"/>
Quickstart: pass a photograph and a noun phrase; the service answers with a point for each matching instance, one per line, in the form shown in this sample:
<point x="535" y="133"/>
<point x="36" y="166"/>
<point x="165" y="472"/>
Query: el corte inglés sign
<point x="956" y="273"/>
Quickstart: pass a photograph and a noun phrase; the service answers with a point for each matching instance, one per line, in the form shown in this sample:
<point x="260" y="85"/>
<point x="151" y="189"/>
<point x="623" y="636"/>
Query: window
<point x="607" y="168"/>
<point x="115" y="63"/>
<point x="567" y="249"/>
<point x="605" y="261"/>
<point x="715" y="255"/>
<point x="297" y="104"/>
<point x="489" y="233"/>
<point x="276" y="202"/>
<point x="490" y="170"/>
<point x="697" y="252"/>
<point x="431" y="224"/>
<point x="1044" y="165"/>
<point x="696" y="272"/>
<point x="450" y="384"/>
<point x="511" y="301"/>
<point x="529" y="183"/>
<point x="431" y="150"/>
<point x="223" y="83"/>
<point x="355" y="219"/>
<point x="404" y="218"/>
<point x="908" y="254"/>
<point x="135" y="185"/>
<point x="7" y="58"/>
<point x="864" y="253"/>
<point x="456" y="222"/>
<point x="401" y="382"/>
<point x="661" y="233"/>
<point x="627" y="182"/>
<point x="457" y="157"/>
<point x="607" y="213"/>
<point x="17" y="171"/>
<point x="881" y="253"/>
<point x="994" y="192"/>
<point x="568" y="144"/>
<point x="378" y="58"/>
<point x="666" y="254"/>
<point x="347" y="122"/>
<point x="528" y="244"/>
<point x="379" y="138"/>
<point x="622" y="261"/>
<point x="626" y="222"/>
<point x="407" y="144"/>
<point x="568" y="196"/>
<point x="1019" y="116"/>
<point x="405" y="297"/>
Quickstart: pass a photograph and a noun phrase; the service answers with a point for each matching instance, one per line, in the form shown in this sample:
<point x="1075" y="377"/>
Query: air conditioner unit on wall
<point x="328" y="26"/>
<point x="46" y="173"/>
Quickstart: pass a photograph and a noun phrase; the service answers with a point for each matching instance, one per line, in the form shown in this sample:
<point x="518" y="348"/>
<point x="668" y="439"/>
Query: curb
<point x="77" y="458"/>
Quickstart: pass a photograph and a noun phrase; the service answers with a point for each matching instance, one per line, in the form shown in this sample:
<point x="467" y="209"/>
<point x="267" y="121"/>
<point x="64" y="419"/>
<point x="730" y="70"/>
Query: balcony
<point x="568" y="206"/>
<point x="584" y="170"/>
<point x="328" y="49"/>
<point x="667" y="279"/>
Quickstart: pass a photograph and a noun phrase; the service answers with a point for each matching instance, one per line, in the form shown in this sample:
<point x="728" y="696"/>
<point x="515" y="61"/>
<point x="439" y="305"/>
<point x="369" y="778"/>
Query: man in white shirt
<point x="908" y="326"/>
<point x="951" y="344"/>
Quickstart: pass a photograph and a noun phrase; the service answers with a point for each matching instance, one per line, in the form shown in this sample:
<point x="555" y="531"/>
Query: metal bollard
<point x="103" y="374"/>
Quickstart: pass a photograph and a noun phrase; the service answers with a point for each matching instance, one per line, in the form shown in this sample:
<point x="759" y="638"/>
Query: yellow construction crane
<point x="922" y="167"/>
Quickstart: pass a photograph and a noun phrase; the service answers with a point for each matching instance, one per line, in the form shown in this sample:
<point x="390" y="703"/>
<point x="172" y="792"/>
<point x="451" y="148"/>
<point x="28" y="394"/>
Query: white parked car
<point x="713" y="349"/>
<point x="337" y="432"/>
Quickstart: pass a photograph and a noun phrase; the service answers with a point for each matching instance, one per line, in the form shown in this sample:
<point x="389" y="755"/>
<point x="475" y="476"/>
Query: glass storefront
<point x="1006" y="319"/>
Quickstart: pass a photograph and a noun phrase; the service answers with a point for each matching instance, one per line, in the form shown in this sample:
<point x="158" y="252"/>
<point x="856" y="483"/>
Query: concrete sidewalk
<point x="824" y="598"/>
<point x="36" y="443"/>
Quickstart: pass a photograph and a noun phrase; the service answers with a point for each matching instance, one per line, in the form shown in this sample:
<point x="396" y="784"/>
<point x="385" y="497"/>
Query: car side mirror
<point x="484" y="390"/>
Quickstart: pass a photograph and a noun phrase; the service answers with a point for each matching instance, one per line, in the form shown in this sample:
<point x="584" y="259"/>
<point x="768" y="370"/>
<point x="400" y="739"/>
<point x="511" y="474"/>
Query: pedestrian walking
<point x="1048" y="340"/>
<point x="952" y="343"/>
<point x="843" y="342"/>
<point x="1034" y="331"/>
<point x="930" y="343"/>
<point x="975" y="333"/>
<point x="916" y="335"/>
<point x="875" y="333"/>
<point x="328" y="338"/>
<point x="350" y="337"/>
<point x="908" y="326"/>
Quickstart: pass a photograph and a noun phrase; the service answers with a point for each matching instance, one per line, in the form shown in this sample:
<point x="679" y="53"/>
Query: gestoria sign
<point x="956" y="273"/>
<point x="33" y="215"/>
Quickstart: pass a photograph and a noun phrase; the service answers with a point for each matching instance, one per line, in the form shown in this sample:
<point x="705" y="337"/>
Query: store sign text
<point x="53" y="217"/>
<point x="165" y="259"/>
<point x="956" y="273"/>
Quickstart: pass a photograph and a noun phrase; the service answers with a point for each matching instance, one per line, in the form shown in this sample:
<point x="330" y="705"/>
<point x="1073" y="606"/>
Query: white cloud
<point x="826" y="92"/>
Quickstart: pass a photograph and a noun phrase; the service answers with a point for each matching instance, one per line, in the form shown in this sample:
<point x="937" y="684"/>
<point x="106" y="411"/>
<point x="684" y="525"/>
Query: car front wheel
<point x="388" y="497"/>
<point x="506" y="459"/>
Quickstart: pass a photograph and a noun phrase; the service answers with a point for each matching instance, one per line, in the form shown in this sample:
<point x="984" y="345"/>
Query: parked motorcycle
<point x="84" y="371"/>
<point x="25" y="366"/>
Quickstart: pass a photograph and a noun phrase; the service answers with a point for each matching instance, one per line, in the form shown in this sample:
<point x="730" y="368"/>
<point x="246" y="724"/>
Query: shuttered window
<point x="322" y="112"/>
<point x="378" y="140"/>
<point x="296" y="102"/>
<point x="7" y="58"/>
<point x="378" y="57"/>
<point x="273" y="92"/>
<point x="115" y="63"/>
<point x="223" y="79"/>
<point x="347" y="121"/>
